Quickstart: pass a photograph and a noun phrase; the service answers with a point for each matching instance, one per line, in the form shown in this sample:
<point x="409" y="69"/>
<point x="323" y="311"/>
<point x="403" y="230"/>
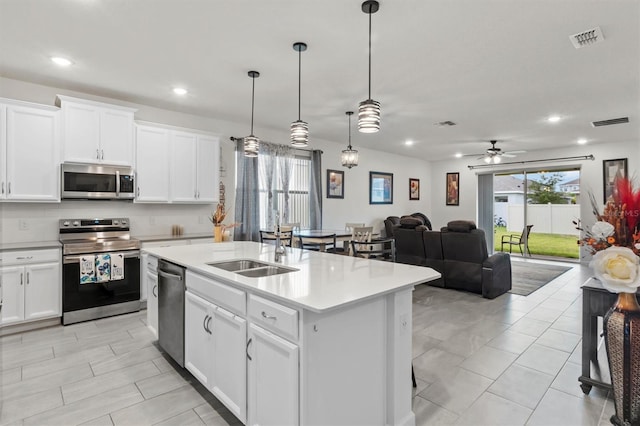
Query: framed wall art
<point x="610" y="170"/>
<point x="414" y="189"/>
<point x="335" y="184"/>
<point x="453" y="189"/>
<point x="380" y="188"/>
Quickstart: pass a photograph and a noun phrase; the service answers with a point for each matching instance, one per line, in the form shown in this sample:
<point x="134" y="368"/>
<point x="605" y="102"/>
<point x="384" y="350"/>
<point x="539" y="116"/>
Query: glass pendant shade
<point x="369" y="116"/>
<point x="299" y="133"/>
<point x="349" y="158"/>
<point x="251" y="146"/>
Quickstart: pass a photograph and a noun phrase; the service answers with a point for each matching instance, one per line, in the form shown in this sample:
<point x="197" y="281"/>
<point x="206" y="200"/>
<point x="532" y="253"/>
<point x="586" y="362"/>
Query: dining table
<point x="322" y="237"/>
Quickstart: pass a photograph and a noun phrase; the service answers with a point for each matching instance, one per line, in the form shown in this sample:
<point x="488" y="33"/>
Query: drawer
<point x="274" y="317"/>
<point x="23" y="257"/>
<point x="151" y="263"/>
<point x="217" y="293"/>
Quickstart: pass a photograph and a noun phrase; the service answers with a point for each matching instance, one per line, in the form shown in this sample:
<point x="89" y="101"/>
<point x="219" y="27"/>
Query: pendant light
<point x="299" y="128"/>
<point x="349" y="155"/>
<point x="369" y="111"/>
<point x="252" y="143"/>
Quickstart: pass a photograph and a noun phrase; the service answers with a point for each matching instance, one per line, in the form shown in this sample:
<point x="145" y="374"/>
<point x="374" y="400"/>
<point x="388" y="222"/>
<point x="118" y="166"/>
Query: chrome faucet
<point x="280" y="250"/>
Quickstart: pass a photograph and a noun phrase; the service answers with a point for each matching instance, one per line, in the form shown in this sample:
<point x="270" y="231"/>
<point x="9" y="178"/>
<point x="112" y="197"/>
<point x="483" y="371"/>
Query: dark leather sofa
<point x="459" y="252"/>
<point x="393" y="222"/>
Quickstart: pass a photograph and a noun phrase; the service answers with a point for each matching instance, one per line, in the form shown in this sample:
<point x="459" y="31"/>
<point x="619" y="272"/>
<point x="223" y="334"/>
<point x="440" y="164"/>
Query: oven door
<point x="77" y="296"/>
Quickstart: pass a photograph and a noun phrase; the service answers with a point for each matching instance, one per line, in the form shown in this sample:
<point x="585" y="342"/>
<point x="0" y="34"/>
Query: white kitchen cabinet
<point x="195" y="167"/>
<point x="152" y="164"/>
<point x="149" y="290"/>
<point x="31" y="286"/>
<point x="96" y="132"/>
<point x="272" y="379"/>
<point x="29" y="136"/>
<point x="215" y="351"/>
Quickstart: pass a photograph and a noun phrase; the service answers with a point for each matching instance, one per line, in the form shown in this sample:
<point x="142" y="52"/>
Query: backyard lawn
<point x="542" y="244"/>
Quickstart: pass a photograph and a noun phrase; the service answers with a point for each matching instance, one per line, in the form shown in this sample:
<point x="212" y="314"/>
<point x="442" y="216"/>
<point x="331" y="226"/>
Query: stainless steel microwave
<point x="97" y="182"/>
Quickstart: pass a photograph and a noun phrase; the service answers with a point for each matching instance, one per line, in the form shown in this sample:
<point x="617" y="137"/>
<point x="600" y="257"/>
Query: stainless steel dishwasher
<point x="171" y="289"/>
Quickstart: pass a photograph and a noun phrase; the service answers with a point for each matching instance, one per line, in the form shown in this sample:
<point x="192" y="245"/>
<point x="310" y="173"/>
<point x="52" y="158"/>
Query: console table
<point x="596" y="301"/>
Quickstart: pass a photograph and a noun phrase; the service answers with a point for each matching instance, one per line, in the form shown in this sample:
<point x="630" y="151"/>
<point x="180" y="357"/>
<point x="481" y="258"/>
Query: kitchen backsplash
<point x="30" y="222"/>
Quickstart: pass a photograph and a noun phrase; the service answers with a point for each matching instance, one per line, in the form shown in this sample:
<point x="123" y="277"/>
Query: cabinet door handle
<point x="9" y="188"/>
<point x="27" y="278"/>
<point x="102" y="156"/>
<point x="97" y="154"/>
<point x="204" y="323"/>
<point x="265" y="316"/>
<point x="198" y="195"/>
<point x="21" y="278"/>
<point x="208" y="322"/>
<point x="153" y="291"/>
<point x="3" y="187"/>
<point x="249" y="356"/>
<point x="24" y="257"/>
<point x="138" y="194"/>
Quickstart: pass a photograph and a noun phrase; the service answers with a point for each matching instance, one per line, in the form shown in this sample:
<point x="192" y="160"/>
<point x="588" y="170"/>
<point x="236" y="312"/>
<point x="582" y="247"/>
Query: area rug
<point x="528" y="277"/>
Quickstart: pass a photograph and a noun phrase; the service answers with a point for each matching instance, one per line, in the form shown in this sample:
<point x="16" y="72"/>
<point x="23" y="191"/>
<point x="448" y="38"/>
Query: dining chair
<point x="348" y="227"/>
<point x="360" y="234"/>
<point x="379" y="248"/>
<point x="286" y="236"/>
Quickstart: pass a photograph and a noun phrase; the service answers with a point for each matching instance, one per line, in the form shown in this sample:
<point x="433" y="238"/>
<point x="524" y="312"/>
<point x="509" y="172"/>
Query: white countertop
<point x="324" y="281"/>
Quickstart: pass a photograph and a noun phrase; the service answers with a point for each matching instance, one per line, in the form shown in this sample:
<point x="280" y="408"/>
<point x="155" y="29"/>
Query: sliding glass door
<point x="534" y="210"/>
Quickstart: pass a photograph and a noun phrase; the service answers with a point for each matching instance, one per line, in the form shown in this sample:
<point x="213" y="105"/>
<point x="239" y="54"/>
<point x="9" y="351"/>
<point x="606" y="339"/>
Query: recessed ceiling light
<point x="582" y="141"/>
<point x="63" y="62"/>
<point x="409" y="142"/>
<point x="553" y="118"/>
<point x="180" y="91"/>
<point x="458" y="155"/>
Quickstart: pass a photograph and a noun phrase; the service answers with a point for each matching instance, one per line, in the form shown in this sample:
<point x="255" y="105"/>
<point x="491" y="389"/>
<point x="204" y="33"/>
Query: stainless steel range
<point x="100" y="269"/>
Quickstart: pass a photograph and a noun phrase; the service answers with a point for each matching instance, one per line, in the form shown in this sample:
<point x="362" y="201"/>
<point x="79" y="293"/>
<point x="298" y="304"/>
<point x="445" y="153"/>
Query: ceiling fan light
<point x="487" y="160"/>
<point x="369" y="116"/>
<point x="251" y="146"/>
<point x="496" y="160"/>
<point x="299" y="133"/>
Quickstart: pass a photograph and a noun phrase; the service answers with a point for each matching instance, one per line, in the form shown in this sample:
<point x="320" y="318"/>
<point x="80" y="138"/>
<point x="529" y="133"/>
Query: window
<point x="293" y="204"/>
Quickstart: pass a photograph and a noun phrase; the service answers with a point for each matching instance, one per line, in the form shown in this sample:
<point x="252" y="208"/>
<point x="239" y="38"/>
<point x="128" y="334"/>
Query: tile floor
<point x="513" y="360"/>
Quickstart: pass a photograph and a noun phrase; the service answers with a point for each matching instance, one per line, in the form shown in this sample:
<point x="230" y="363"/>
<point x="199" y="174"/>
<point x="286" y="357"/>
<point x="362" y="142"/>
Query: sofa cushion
<point x="460" y="226"/>
<point x="410" y="222"/>
<point x="425" y="219"/>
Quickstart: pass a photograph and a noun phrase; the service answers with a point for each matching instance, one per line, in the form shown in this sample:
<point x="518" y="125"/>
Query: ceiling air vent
<point x="587" y="38"/>
<point x="444" y="123"/>
<point x="611" y="122"/>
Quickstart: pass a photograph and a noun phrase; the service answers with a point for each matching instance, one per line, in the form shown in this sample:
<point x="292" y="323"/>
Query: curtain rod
<point x="581" y="157"/>
<point x="234" y="139"/>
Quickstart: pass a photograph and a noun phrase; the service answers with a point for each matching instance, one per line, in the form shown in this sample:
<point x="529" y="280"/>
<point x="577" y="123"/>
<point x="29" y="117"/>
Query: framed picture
<point x="414" y="189"/>
<point x="380" y="188"/>
<point x="611" y="169"/>
<point x="335" y="184"/>
<point x="453" y="189"/>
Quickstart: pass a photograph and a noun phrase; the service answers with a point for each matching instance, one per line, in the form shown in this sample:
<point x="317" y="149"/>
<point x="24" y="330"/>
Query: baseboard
<point x="28" y="326"/>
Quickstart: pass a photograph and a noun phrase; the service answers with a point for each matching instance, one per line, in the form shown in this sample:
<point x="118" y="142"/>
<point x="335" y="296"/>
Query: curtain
<point x="285" y="164"/>
<point x="485" y="208"/>
<point x="247" y="209"/>
<point x="267" y="169"/>
<point x="315" y="190"/>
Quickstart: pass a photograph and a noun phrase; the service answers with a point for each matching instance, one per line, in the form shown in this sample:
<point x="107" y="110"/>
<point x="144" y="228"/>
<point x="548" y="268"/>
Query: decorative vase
<point x="622" y="340"/>
<point x="217" y="233"/>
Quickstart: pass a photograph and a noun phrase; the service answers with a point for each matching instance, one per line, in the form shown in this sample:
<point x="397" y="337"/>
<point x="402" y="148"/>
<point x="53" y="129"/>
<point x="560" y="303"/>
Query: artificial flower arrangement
<point x="614" y="240"/>
<point x="218" y="216"/>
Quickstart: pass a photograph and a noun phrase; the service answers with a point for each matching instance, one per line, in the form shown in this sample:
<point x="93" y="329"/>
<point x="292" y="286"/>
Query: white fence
<point x="545" y="218"/>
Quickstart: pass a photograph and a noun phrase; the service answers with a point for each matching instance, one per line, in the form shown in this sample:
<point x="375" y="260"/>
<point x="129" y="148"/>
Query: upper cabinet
<point x="176" y="165"/>
<point x="195" y="168"/>
<point x="29" y="152"/>
<point x="96" y="132"/>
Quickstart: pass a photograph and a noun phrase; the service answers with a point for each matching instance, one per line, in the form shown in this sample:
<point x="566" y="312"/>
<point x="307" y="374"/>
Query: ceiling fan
<point x="494" y="154"/>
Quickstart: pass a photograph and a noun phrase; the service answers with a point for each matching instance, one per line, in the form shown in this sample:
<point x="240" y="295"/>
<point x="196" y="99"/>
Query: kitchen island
<point x="327" y="342"/>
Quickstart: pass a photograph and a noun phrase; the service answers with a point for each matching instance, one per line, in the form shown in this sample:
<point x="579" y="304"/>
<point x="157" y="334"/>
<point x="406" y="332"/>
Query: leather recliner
<point x="467" y="265"/>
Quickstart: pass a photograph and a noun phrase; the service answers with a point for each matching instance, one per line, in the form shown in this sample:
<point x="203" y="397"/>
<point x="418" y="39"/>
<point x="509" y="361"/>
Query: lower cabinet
<point x="273" y="379"/>
<point x="151" y="280"/>
<point x="215" y="341"/>
<point x="30" y="292"/>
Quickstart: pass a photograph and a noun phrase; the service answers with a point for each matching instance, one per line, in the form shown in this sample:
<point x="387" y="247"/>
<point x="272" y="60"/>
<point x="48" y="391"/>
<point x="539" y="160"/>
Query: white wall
<point x="590" y="177"/>
<point x="41" y="219"/>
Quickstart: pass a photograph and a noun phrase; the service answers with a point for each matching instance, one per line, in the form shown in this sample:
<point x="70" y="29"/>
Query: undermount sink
<point x="251" y="268"/>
